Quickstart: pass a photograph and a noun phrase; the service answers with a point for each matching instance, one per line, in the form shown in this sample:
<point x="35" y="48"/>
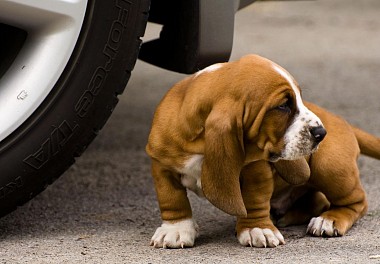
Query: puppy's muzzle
<point x="318" y="133"/>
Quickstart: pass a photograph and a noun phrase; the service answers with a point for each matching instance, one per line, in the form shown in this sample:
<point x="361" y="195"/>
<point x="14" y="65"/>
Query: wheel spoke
<point x="32" y="14"/>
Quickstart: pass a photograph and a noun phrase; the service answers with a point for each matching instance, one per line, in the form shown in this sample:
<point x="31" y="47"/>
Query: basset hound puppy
<point x="216" y="133"/>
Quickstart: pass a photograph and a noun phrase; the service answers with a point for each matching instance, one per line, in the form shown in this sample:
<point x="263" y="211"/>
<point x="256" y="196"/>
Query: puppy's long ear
<point x="223" y="161"/>
<point x="293" y="171"/>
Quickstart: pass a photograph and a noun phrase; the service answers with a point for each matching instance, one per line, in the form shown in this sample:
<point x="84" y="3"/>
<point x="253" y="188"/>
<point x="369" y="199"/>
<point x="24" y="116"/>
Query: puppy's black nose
<point x="318" y="133"/>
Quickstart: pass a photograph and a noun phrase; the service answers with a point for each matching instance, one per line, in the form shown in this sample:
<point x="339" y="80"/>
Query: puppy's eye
<point x="285" y="107"/>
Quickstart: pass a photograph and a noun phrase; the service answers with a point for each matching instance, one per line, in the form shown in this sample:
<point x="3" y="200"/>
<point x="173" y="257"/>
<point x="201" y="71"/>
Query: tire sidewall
<point x="78" y="106"/>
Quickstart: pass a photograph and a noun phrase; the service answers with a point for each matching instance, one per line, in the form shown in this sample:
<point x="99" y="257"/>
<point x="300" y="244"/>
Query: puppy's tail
<point x="369" y="144"/>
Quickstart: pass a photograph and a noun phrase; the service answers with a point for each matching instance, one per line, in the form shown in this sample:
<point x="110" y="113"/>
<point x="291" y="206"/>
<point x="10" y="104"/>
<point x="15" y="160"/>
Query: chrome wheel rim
<point x="51" y="29"/>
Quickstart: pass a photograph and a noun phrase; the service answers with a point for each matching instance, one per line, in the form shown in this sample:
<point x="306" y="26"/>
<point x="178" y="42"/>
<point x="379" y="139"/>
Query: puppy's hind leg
<point x="178" y="229"/>
<point x="342" y="187"/>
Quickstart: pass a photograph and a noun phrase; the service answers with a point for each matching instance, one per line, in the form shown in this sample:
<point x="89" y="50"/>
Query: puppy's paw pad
<point x="175" y="235"/>
<point x="320" y="226"/>
<point x="257" y="237"/>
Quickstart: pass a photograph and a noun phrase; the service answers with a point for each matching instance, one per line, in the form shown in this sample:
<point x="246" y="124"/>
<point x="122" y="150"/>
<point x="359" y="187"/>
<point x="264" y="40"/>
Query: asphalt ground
<point x="104" y="208"/>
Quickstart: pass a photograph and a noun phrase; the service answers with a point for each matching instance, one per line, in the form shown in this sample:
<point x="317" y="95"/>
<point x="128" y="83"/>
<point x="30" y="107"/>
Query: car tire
<point x="79" y="104"/>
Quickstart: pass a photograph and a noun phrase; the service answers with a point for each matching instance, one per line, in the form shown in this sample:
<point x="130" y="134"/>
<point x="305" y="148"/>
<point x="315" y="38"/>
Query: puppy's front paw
<point x="175" y="235"/>
<point x="320" y="226"/>
<point x="257" y="237"/>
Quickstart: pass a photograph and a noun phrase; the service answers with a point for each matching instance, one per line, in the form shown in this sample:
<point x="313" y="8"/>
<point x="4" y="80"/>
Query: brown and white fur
<point x="333" y="199"/>
<point x="215" y="133"/>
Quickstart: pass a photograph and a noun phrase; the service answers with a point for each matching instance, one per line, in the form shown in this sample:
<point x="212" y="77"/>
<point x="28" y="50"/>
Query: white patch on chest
<point x="191" y="174"/>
